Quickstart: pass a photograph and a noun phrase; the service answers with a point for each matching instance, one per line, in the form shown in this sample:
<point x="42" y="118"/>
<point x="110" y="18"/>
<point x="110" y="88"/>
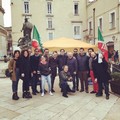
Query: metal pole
<point x="94" y="25"/>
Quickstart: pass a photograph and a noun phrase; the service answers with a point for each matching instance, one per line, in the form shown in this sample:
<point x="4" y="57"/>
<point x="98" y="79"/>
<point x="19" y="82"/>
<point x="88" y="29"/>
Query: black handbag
<point x="7" y="73"/>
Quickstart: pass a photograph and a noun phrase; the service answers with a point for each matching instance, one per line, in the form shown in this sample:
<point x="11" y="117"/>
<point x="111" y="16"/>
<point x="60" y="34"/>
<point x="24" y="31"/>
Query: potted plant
<point x="115" y="83"/>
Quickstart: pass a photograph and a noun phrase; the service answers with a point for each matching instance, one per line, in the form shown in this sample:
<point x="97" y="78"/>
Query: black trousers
<point x="65" y="88"/>
<point x="74" y="83"/>
<point x="26" y="81"/>
<point x="34" y="82"/>
<point x="52" y="80"/>
<point x="101" y="84"/>
<point x="77" y="81"/>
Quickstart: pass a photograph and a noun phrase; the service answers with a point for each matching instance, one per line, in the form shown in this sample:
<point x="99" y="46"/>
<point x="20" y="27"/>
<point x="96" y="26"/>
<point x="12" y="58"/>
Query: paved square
<point x="79" y="106"/>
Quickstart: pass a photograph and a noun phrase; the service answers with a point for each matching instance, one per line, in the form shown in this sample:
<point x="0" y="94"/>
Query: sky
<point x="7" y="15"/>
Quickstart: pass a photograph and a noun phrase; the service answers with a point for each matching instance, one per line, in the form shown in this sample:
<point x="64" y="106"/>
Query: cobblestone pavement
<point x="78" y="106"/>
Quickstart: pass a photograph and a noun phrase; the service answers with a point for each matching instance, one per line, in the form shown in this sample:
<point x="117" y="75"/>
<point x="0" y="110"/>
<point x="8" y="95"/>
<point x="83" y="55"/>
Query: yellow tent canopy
<point x="67" y="44"/>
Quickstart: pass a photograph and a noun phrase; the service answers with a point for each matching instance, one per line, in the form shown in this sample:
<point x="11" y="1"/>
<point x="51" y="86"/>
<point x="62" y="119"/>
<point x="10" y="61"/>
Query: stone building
<point x="3" y="33"/>
<point x="78" y="19"/>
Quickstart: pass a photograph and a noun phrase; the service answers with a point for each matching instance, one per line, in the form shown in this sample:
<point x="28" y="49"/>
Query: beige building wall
<point x="63" y="18"/>
<point x="3" y="33"/>
<point x="103" y="9"/>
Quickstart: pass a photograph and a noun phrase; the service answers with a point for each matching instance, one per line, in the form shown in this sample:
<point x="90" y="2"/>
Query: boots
<point x="24" y="94"/>
<point x="15" y="96"/>
<point x="27" y="95"/>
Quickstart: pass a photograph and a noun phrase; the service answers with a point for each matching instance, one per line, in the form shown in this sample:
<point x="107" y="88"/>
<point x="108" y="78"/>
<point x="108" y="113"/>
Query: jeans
<point x="15" y="83"/>
<point x="46" y="79"/>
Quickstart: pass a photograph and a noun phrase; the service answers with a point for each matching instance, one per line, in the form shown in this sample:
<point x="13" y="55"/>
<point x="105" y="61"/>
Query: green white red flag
<point x="102" y="46"/>
<point x="36" y="41"/>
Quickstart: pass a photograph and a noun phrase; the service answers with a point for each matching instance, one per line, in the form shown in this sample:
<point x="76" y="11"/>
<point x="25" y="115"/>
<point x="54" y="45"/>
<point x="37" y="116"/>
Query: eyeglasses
<point x="75" y="51"/>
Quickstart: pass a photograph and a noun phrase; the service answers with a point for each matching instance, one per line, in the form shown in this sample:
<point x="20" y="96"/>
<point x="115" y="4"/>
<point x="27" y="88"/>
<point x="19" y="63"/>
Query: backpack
<point x="7" y="73"/>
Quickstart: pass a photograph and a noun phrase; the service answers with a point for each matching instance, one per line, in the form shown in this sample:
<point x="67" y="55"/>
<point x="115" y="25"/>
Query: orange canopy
<point x="67" y="44"/>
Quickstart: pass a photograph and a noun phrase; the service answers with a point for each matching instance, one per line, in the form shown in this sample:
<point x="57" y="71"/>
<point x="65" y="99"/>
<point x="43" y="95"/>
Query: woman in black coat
<point x="25" y="73"/>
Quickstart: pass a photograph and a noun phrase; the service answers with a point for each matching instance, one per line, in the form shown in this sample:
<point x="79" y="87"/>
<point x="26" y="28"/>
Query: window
<point x="76" y="30"/>
<point x="50" y="36"/>
<point x="75" y="8"/>
<point x="26" y="7"/>
<point x="90" y="27"/>
<point x="112" y="20"/>
<point x="100" y="23"/>
<point x="49" y="23"/>
<point x="49" y="7"/>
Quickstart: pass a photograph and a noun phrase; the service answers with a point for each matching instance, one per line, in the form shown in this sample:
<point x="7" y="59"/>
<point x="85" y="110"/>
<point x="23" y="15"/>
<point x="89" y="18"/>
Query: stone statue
<point x="27" y="28"/>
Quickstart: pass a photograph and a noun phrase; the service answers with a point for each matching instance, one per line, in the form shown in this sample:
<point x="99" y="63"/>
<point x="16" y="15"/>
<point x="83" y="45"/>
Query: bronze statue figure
<point x="27" y="28"/>
<point x="25" y="41"/>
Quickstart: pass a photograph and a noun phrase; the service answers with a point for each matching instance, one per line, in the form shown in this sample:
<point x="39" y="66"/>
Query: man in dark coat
<point x="72" y="66"/>
<point x="83" y="69"/>
<point x="62" y="59"/>
<point x="75" y="54"/>
<point x="34" y="62"/>
<point x="64" y="78"/>
<point x="53" y="66"/>
<point x="101" y="74"/>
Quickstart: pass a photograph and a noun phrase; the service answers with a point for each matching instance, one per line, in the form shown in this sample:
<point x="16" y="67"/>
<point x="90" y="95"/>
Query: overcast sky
<point x="7" y="15"/>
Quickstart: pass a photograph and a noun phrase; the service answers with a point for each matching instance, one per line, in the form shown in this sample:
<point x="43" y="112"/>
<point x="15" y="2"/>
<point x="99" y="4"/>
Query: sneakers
<point x="50" y="93"/>
<point x="42" y="94"/>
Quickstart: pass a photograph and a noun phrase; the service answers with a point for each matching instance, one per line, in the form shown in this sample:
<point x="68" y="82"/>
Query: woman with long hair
<point x="13" y="67"/>
<point x="25" y="73"/>
<point x="45" y="74"/>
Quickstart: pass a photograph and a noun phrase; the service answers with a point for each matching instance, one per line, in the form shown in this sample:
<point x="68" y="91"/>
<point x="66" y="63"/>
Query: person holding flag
<point x="102" y="47"/>
<point x="100" y="67"/>
<point x="101" y="74"/>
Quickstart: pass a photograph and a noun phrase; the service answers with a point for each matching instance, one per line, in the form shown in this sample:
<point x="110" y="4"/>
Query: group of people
<point x="72" y="68"/>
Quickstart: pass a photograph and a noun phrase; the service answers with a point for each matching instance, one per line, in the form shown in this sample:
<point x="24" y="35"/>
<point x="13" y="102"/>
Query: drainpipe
<point x="94" y="26"/>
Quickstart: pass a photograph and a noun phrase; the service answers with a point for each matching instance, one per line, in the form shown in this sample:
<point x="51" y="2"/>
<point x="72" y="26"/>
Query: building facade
<point x="104" y="14"/>
<point x="3" y="33"/>
<point x="53" y="18"/>
<point x="78" y="19"/>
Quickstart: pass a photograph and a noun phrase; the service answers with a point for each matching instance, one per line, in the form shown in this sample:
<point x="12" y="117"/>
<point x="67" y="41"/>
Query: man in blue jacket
<point x="83" y="69"/>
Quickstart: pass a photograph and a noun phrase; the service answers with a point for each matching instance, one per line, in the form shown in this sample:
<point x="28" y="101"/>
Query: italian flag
<point x="102" y="46"/>
<point x="36" y="42"/>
